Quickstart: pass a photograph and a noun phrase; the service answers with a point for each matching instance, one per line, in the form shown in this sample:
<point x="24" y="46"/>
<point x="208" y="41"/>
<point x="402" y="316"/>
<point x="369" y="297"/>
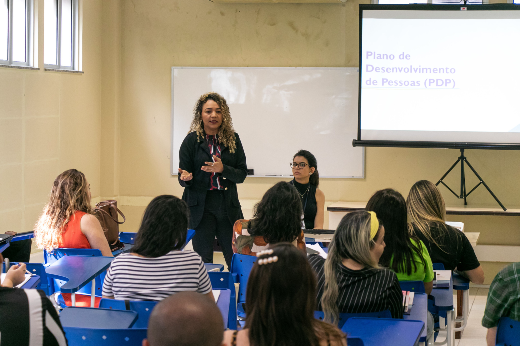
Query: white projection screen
<point x="439" y="76"/>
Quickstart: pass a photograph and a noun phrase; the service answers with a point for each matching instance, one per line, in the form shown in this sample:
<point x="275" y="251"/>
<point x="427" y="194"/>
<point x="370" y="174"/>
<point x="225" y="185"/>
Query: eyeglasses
<point x="296" y="164"/>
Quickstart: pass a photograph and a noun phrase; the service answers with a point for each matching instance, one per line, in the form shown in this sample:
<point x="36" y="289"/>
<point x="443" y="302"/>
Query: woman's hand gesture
<point x="185" y="176"/>
<point x="215" y="166"/>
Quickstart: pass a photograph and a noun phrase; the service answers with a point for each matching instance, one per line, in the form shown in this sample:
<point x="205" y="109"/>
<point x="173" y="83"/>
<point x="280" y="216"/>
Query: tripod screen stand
<point x="463" y="195"/>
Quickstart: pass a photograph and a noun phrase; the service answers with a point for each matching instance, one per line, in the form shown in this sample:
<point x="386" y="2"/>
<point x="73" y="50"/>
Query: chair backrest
<point x="56" y="254"/>
<point x="142" y="307"/>
<point x="438" y="266"/>
<point x="508" y="332"/>
<point x="224" y="280"/>
<point x="241" y="265"/>
<point x="127" y="237"/>
<point x="105" y="337"/>
<point x="343" y="317"/>
<point x="412" y="286"/>
<point x="189" y="236"/>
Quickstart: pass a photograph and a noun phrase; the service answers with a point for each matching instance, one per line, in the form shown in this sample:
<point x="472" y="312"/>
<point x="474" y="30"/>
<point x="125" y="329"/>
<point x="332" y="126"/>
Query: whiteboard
<point x="278" y="111"/>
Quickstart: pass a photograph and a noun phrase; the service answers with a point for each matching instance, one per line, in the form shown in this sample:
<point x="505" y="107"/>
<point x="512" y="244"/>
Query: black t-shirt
<point x="27" y="317"/>
<point x="366" y="290"/>
<point x="453" y="250"/>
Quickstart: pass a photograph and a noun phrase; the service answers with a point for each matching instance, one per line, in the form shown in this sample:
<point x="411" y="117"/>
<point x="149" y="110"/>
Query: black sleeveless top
<point x="310" y="208"/>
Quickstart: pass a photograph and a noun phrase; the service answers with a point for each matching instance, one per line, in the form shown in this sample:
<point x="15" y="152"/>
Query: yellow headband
<point x="374" y="225"/>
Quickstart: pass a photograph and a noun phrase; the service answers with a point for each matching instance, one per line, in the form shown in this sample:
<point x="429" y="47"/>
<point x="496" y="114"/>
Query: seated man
<point x="503" y="300"/>
<point x="27" y="317"/>
<point x="185" y="319"/>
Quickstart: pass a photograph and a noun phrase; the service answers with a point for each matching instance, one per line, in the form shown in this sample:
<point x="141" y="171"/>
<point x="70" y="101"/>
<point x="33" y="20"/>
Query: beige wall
<point x="49" y="122"/>
<point x="157" y="35"/>
<point x="113" y="121"/>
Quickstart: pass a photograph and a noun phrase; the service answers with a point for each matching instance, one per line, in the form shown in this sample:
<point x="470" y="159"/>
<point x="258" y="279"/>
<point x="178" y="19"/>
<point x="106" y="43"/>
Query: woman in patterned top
<point x="280" y="301"/>
<point x="157" y="268"/>
<point x="211" y="164"/>
<point x="350" y="280"/>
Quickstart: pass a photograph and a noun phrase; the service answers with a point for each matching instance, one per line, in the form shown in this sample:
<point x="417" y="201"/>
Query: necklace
<point x="303" y="194"/>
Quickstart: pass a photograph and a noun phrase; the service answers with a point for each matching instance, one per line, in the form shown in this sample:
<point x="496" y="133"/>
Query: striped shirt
<point x="28" y="318"/>
<point x="366" y="290"/>
<point x="138" y="278"/>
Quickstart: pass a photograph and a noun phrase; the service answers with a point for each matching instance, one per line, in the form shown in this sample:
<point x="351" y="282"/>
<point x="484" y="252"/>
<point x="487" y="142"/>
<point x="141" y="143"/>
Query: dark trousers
<point x="215" y="222"/>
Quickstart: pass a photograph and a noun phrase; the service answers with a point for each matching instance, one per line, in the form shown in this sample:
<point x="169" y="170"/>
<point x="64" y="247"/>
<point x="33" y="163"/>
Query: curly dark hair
<point x="164" y="227"/>
<point x="278" y="216"/>
<point x="226" y="132"/>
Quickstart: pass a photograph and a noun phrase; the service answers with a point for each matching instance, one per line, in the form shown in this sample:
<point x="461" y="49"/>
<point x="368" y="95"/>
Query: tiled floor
<point x="474" y="334"/>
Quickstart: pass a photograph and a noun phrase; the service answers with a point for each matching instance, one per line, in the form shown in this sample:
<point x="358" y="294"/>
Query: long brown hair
<point x="280" y="302"/>
<point x="426" y="208"/>
<point x="351" y="240"/>
<point x="226" y="133"/>
<point x="70" y="193"/>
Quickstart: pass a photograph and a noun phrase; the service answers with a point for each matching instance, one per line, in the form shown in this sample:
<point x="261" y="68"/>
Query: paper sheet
<point x="216" y="294"/>
<point x="27" y="277"/>
<point x="317" y="248"/>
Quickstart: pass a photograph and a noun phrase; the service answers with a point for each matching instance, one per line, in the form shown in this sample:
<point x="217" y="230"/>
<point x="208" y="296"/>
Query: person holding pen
<point x="211" y="164"/>
<point x="306" y="180"/>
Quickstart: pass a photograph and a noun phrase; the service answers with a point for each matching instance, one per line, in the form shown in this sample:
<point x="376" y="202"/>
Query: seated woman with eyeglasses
<point x="350" y="279"/>
<point x="306" y="180"/>
<point x="280" y="301"/>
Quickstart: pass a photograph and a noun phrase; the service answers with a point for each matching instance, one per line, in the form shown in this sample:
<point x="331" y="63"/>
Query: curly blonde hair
<point x="226" y="133"/>
<point x="69" y="194"/>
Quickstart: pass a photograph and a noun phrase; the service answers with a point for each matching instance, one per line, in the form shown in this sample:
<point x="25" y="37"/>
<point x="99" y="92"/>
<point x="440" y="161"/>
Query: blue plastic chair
<point x="224" y="280"/>
<point x="142" y="307"/>
<point x="241" y="266"/>
<point x="127" y="237"/>
<point x="53" y="256"/>
<point x="438" y="266"/>
<point x="412" y="286"/>
<point x="354" y="342"/>
<point x="105" y="337"/>
<point x="343" y="317"/>
<point x="508" y="332"/>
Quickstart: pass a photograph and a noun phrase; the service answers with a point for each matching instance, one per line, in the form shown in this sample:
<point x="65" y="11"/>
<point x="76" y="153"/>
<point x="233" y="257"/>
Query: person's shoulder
<point x="190" y="137"/>
<point x="316" y="260"/>
<point x="185" y="255"/>
<point x="319" y="193"/>
<point x="511" y="270"/>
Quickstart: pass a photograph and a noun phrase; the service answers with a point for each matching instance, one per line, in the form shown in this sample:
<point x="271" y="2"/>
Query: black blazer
<point x="192" y="156"/>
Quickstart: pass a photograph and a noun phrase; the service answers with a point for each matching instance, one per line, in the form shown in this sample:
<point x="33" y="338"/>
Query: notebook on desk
<point x="27" y="277"/>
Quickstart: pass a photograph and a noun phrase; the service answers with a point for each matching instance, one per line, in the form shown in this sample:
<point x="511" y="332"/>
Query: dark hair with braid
<point x="278" y="216"/>
<point x="314" y="179"/>
<point x="163" y="228"/>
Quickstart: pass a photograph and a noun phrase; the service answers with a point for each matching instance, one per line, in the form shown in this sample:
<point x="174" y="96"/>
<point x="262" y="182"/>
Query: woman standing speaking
<point x="212" y="162"/>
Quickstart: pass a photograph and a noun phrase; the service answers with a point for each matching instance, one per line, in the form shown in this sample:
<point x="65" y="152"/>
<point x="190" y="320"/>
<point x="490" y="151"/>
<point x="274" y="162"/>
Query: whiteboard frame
<point x="172" y="172"/>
